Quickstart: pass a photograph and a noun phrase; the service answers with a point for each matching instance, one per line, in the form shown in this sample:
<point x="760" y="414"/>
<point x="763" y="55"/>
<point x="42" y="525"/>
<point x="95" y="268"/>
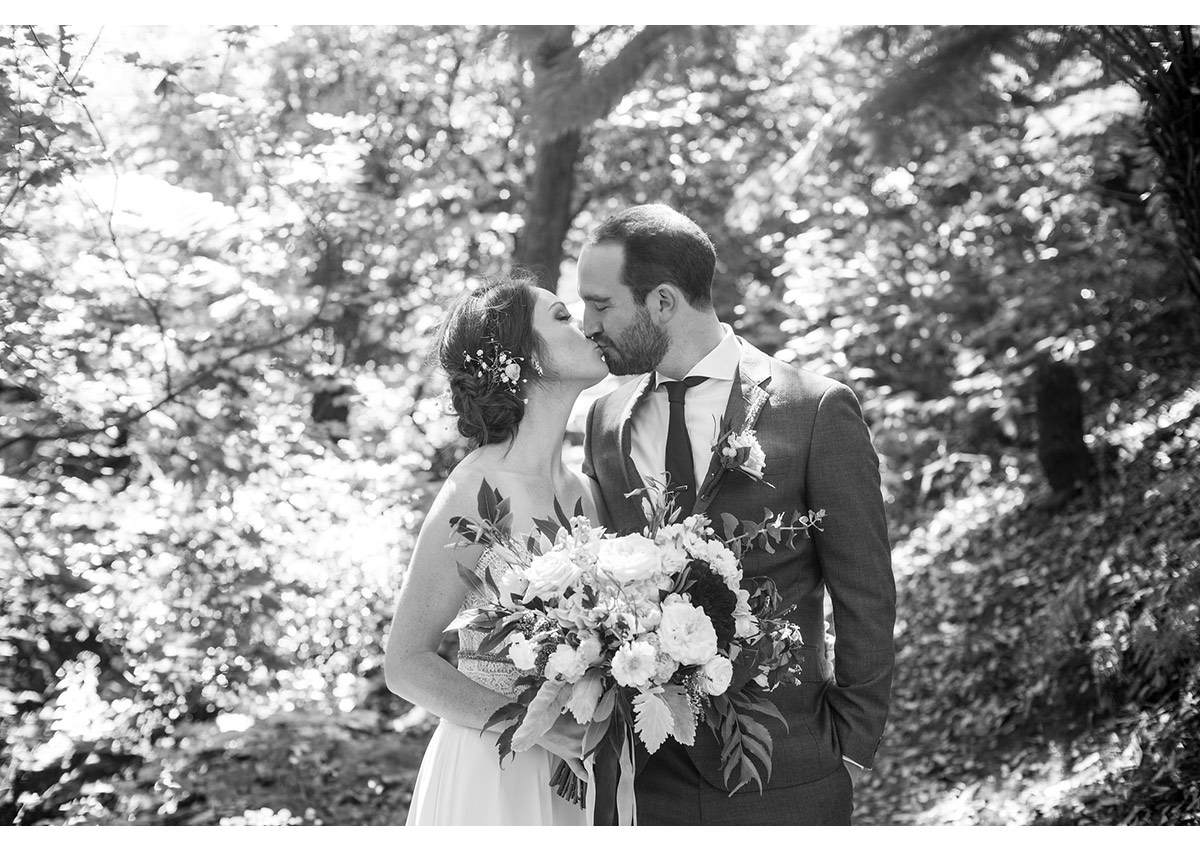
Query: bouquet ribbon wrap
<point x="610" y="799"/>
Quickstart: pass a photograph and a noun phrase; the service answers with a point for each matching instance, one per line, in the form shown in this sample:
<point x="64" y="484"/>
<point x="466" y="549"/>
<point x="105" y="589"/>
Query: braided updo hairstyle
<point x="496" y="317"/>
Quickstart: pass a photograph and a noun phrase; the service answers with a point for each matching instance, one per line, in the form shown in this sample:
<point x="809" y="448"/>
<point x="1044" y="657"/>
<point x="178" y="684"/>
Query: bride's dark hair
<point x="495" y="318"/>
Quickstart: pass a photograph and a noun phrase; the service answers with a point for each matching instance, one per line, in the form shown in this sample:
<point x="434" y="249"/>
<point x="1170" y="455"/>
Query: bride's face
<point x="572" y="356"/>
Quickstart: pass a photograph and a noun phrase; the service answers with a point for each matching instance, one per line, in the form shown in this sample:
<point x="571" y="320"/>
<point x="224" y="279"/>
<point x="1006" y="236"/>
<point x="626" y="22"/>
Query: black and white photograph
<point x="677" y="425"/>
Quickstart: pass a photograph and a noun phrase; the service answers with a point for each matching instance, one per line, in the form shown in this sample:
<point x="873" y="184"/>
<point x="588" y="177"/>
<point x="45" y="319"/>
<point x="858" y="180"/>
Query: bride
<point x="516" y="363"/>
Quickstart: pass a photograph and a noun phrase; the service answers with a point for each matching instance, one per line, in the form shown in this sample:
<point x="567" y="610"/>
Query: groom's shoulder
<point x="796" y="381"/>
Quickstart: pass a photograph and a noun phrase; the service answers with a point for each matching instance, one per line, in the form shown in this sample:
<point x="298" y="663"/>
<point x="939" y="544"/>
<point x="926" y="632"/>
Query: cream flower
<point x="634" y="664"/>
<point x="566" y="663"/>
<point x="722" y="561"/>
<point x="549" y="575"/>
<point x="741" y="450"/>
<point x="756" y="461"/>
<point x="686" y="633"/>
<point x="629" y="558"/>
<point x="523" y="653"/>
<point x="718" y="673"/>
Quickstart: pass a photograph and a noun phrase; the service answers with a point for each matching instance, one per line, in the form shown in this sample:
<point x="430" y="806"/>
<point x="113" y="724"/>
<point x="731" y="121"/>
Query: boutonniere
<point x="740" y="450"/>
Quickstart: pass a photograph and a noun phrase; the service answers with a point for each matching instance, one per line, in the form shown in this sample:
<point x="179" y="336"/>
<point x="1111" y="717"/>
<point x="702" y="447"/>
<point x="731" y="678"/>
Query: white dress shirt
<point x="703" y="408"/>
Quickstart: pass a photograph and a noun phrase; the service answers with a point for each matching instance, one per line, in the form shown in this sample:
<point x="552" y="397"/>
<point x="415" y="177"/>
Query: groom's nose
<point x="591" y="325"/>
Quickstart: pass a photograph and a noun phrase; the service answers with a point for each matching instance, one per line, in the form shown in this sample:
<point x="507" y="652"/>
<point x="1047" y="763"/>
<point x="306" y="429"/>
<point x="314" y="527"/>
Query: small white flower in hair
<point x="497" y="368"/>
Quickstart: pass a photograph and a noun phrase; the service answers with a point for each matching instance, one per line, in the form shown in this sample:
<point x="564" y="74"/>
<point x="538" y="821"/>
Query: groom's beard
<point x="639" y="348"/>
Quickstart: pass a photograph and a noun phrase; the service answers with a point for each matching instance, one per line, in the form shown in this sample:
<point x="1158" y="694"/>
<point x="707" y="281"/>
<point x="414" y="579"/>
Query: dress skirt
<point x="460" y="782"/>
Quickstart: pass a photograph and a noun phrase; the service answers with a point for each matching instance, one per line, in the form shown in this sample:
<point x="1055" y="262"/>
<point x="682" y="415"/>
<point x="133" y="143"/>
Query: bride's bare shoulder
<point x="461" y="488"/>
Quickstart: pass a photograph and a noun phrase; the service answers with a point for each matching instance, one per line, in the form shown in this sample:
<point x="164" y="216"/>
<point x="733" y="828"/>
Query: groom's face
<point x="612" y="318"/>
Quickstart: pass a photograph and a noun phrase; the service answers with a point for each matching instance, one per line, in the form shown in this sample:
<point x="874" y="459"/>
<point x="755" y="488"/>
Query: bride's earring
<point x="537" y="367"/>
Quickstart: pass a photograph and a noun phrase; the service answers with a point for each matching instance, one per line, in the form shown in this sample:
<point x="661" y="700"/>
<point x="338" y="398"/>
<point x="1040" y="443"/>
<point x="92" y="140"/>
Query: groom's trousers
<point x="671" y="792"/>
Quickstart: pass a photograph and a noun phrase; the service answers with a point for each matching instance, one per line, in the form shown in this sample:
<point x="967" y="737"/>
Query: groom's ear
<point x="663" y="302"/>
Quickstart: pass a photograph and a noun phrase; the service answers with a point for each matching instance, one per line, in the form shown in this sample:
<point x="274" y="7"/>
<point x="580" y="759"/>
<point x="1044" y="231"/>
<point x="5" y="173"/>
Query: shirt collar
<point x="721" y="363"/>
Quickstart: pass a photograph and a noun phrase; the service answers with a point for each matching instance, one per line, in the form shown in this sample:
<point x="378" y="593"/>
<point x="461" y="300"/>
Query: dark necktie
<point x="679" y="447"/>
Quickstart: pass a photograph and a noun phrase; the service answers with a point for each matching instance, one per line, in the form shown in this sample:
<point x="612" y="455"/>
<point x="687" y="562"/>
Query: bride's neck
<point x="537" y="447"/>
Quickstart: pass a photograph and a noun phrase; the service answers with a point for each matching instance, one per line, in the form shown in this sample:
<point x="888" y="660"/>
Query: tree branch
<point x="133" y="416"/>
<point x="565" y="99"/>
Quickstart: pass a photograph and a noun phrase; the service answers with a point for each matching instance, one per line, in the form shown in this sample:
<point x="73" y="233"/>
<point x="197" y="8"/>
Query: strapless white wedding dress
<point x="460" y="781"/>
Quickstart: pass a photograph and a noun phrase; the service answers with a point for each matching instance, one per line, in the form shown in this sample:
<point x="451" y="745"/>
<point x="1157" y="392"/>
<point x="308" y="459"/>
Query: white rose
<point x="686" y="633"/>
<point x="629" y="558"/>
<point x="523" y="653"/>
<point x="565" y="663"/>
<point x="634" y="664"/>
<point x="549" y="575"/>
<point x="718" y="673"/>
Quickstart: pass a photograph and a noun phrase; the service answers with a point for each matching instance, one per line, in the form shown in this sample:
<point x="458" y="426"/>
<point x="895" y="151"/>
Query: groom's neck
<point x="692" y="339"/>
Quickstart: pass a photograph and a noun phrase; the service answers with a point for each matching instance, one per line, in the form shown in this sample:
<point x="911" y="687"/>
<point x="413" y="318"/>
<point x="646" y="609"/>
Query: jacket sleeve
<point x="589" y="467"/>
<point x="855" y="558"/>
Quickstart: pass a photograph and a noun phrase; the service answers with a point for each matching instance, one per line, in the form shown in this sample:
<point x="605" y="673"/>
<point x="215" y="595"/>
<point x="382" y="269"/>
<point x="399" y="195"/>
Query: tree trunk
<point x="539" y="248"/>
<point x="1060" y="446"/>
<point x="564" y="101"/>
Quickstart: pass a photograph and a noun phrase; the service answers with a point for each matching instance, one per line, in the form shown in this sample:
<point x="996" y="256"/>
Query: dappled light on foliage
<point x="224" y="253"/>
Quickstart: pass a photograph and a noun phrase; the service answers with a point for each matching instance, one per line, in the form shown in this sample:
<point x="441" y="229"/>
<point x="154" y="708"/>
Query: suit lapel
<point x="633" y="479"/>
<point x="746" y="400"/>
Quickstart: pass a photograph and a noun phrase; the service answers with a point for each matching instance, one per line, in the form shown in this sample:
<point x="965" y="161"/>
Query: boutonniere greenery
<point x="740" y="450"/>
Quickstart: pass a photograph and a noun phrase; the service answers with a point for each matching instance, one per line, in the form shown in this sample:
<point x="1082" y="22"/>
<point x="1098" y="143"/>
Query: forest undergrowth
<point x="1076" y="705"/>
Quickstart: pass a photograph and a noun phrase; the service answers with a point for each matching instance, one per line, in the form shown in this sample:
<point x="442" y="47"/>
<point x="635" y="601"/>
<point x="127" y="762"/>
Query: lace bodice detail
<point x="491" y="670"/>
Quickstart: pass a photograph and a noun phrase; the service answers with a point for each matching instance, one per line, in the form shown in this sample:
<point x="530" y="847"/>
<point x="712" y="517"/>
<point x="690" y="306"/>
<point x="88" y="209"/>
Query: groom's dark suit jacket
<point x="818" y="456"/>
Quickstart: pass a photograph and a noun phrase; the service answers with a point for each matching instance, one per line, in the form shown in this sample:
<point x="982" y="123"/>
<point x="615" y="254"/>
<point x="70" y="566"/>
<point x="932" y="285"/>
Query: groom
<point x="645" y="277"/>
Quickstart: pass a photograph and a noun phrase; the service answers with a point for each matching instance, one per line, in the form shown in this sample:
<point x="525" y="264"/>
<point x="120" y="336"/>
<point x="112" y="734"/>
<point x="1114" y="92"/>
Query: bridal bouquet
<point x="644" y="634"/>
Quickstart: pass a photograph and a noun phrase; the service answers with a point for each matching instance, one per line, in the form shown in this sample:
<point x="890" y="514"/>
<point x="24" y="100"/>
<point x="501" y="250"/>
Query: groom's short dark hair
<point x="661" y="245"/>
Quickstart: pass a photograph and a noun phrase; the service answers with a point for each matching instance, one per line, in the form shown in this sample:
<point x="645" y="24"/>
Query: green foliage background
<point x="212" y="241"/>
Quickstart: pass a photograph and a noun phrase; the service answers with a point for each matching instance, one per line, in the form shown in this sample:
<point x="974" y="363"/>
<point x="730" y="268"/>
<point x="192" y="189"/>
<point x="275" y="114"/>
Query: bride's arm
<point x="430" y="598"/>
